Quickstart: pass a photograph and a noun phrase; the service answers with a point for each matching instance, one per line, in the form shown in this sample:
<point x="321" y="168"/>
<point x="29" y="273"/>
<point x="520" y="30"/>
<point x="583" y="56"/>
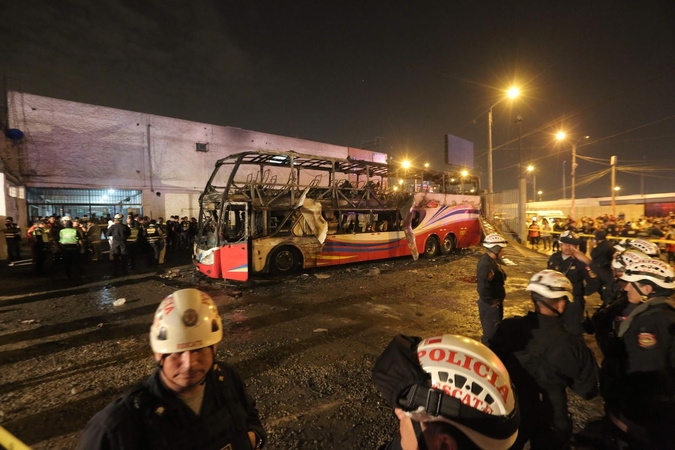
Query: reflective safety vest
<point x="40" y="235"/>
<point x="153" y="233"/>
<point x="134" y="234"/>
<point x="12" y="232"/>
<point x="68" y="236"/>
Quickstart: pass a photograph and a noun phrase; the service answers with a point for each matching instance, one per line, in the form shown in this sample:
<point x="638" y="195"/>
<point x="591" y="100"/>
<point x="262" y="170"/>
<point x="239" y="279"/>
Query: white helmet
<point x="628" y="257"/>
<point x="66" y="218"/>
<point x="468" y="371"/>
<point x="550" y="284"/>
<point x="493" y="239"/>
<point x="647" y="247"/>
<point x="118" y="216"/>
<point x="185" y="320"/>
<point x="569" y="237"/>
<point x="658" y="272"/>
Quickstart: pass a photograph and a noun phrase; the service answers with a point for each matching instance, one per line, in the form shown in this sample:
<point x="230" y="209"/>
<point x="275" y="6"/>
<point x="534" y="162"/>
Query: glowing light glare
<point x="617" y="188"/>
<point x="395" y="188"/>
<point x="561" y="135"/>
<point x="105" y="197"/>
<point x="540" y="192"/>
<point x="530" y="168"/>
<point x="452" y="180"/>
<point x="426" y="164"/>
<point x="513" y="92"/>
<point x="473" y="190"/>
<point x="400" y="181"/>
<point x="465" y="173"/>
<point x="111" y="191"/>
<point x="405" y="164"/>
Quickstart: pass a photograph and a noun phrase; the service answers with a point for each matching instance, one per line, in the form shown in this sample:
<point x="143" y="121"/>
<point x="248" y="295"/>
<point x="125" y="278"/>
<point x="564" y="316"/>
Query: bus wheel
<point x="284" y="261"/>
<point x="431" y="248"/>
<point x="448" y="244"/>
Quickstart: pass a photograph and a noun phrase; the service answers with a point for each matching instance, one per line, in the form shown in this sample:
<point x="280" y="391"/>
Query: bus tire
<point x="285" y="261"/>
<point x="448" y="245"/>
<point x="432" y="247"/>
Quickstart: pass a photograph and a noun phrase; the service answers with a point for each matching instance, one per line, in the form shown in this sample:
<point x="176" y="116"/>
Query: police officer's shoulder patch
<point x="646" y="340"/>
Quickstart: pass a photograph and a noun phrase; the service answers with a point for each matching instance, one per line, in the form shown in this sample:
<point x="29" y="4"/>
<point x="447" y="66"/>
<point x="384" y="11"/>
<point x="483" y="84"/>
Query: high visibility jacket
<point x="133" y="237"/>
<point x="155" y="233"/>
<point x="12" y="232"/>
<point x="40" y="235"/>
<point x="68" y="236"/>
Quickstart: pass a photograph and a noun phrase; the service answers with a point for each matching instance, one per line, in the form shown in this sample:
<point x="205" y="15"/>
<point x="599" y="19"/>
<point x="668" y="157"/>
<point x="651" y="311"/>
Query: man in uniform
<point x="490" y="279"/>
<point x="576" y="267"/>
<point x="191" y="401"/>
<point x="602" y="256"/>
<point x="544" y="359"/>
<point x="118" y="234"/>
<point x="647" y="410"/>
<point x="155" y="237"/>
<point x="448" y="392"/>
<point x="13" y="239"/>
<point x="70" y="242"/>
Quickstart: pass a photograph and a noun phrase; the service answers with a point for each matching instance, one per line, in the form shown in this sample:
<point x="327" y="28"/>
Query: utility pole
<point x="612" y="162"/>
<point x="564" y="178"/>
<point x="522" y="184"/>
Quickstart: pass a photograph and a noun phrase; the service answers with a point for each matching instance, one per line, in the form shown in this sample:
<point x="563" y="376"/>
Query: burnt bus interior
<point x="258" y="194"/>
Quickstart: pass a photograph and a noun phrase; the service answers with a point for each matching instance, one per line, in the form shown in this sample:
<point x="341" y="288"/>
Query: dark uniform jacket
<point x="490" y="278"/>
<point x="543" y="359"/>
<point x="584" y="281"/>
<point x="119" y="232"/>
<point x="150" y="416"/>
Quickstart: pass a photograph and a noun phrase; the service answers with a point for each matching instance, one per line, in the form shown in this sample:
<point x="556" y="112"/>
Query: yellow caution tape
<point x="9" y="442"/>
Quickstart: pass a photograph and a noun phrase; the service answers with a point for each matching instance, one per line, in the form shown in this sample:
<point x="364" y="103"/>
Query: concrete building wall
<point x="75" y="145"/>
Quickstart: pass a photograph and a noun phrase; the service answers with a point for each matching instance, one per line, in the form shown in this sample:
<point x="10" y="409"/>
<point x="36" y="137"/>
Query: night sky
<point x="406" y="73"/>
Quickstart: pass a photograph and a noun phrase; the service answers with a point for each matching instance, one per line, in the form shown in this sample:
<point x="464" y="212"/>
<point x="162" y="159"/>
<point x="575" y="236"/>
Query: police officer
<point x="134" y="231"/>
<point x="602" y="256"/>
<point x="70" y="242"/>
<point x="575" y="265"/>
<point x="491" y="278"/>
<point x="13" y="239"/>
<point x="544" y="359"/>
<point x="647" y="408"/>
<point x="118" y="232"/>
<point x="39" y="246"/>
<point x="191" y="401"/>
<point x="448" y="392"/>
<point x="155" y="238"/>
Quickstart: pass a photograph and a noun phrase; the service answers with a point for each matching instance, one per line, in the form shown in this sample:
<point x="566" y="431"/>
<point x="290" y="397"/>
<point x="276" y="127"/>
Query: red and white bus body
<point x="313" y="225"/>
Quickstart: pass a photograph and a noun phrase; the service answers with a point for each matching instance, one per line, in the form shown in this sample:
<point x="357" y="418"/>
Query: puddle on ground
<point x="106" y="297"/>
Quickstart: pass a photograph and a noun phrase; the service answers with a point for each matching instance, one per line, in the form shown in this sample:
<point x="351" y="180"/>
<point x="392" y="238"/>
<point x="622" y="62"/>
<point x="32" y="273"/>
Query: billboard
<point x="458" y="151"/>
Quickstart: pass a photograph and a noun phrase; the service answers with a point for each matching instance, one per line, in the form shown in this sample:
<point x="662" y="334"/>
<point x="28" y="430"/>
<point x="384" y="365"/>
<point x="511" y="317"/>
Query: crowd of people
<point x="542" y="232"/>
<point x="64" y="244"/>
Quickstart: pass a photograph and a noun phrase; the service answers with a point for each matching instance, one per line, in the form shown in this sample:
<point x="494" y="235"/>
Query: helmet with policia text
<point x="494" y="239"/>
<point x="658" y="272"/>
<point x="118" y="216"/>
<point x="185" y="320"/>
<point x="550" y="284"/>
<point x="628" y="257"/>
<point x="451" y="379"/>
<point x="650" y="248"/>
<point x="568" y="237"/>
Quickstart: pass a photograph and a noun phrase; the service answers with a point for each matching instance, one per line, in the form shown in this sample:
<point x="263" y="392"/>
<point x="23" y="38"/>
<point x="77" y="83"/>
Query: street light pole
<point x="512" y="93"/>
<point x="522" y="185"/>
<point x="574" y="169"/>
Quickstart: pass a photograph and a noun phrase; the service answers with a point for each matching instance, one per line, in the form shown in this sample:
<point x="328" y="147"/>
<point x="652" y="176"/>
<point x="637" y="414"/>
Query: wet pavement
<point x="305" y="344"/>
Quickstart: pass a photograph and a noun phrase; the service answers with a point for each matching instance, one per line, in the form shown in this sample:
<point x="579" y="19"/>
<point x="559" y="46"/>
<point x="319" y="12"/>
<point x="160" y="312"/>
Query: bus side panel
<point x="234" y="261"/>
<point x="462" y="221"/>
<point x="208" y="263"/>
<point x="358" y="247"/>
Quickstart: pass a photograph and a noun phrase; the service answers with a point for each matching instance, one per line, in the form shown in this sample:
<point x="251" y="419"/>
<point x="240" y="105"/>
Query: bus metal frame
<point x="284" y="211"/>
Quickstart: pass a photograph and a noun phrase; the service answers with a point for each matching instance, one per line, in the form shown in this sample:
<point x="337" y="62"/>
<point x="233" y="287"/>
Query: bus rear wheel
<point x="448" y="244"/>
<point x="285" y="261"/>
<point x="431" y="248"/>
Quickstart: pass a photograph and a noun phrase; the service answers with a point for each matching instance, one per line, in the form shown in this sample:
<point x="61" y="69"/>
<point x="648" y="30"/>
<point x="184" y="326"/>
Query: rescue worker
<point x="39" y="247"/>
<point x="70" y="242"/>
<point x="191" y="401"/>
<point x="155" y="238"/>
<point x="575" y="265"/>
<point x="647" y="408"/>
<point x="606" y="322"/>
<point x="558" y="229"/>
<point x="544" y="359"/>
<point x="118" y="234"/>
<point x="533" y="233"/>
<point x="448" y="392"/>
<point x="490" y="278"/>
<point x="13" y="239"/>
<point x="184" y="233"/>
<point x="644" y="246"/>
<point x="602" y="256"/>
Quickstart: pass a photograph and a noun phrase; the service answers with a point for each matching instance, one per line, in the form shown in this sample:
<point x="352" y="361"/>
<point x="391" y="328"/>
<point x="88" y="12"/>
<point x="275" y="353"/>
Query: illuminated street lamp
<point x="464" y="173"/>
<point x="540" y="194"/>
<point x="617" y="188"/>
<point x="561" y="137"/>
<point x="511" y="93"/>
